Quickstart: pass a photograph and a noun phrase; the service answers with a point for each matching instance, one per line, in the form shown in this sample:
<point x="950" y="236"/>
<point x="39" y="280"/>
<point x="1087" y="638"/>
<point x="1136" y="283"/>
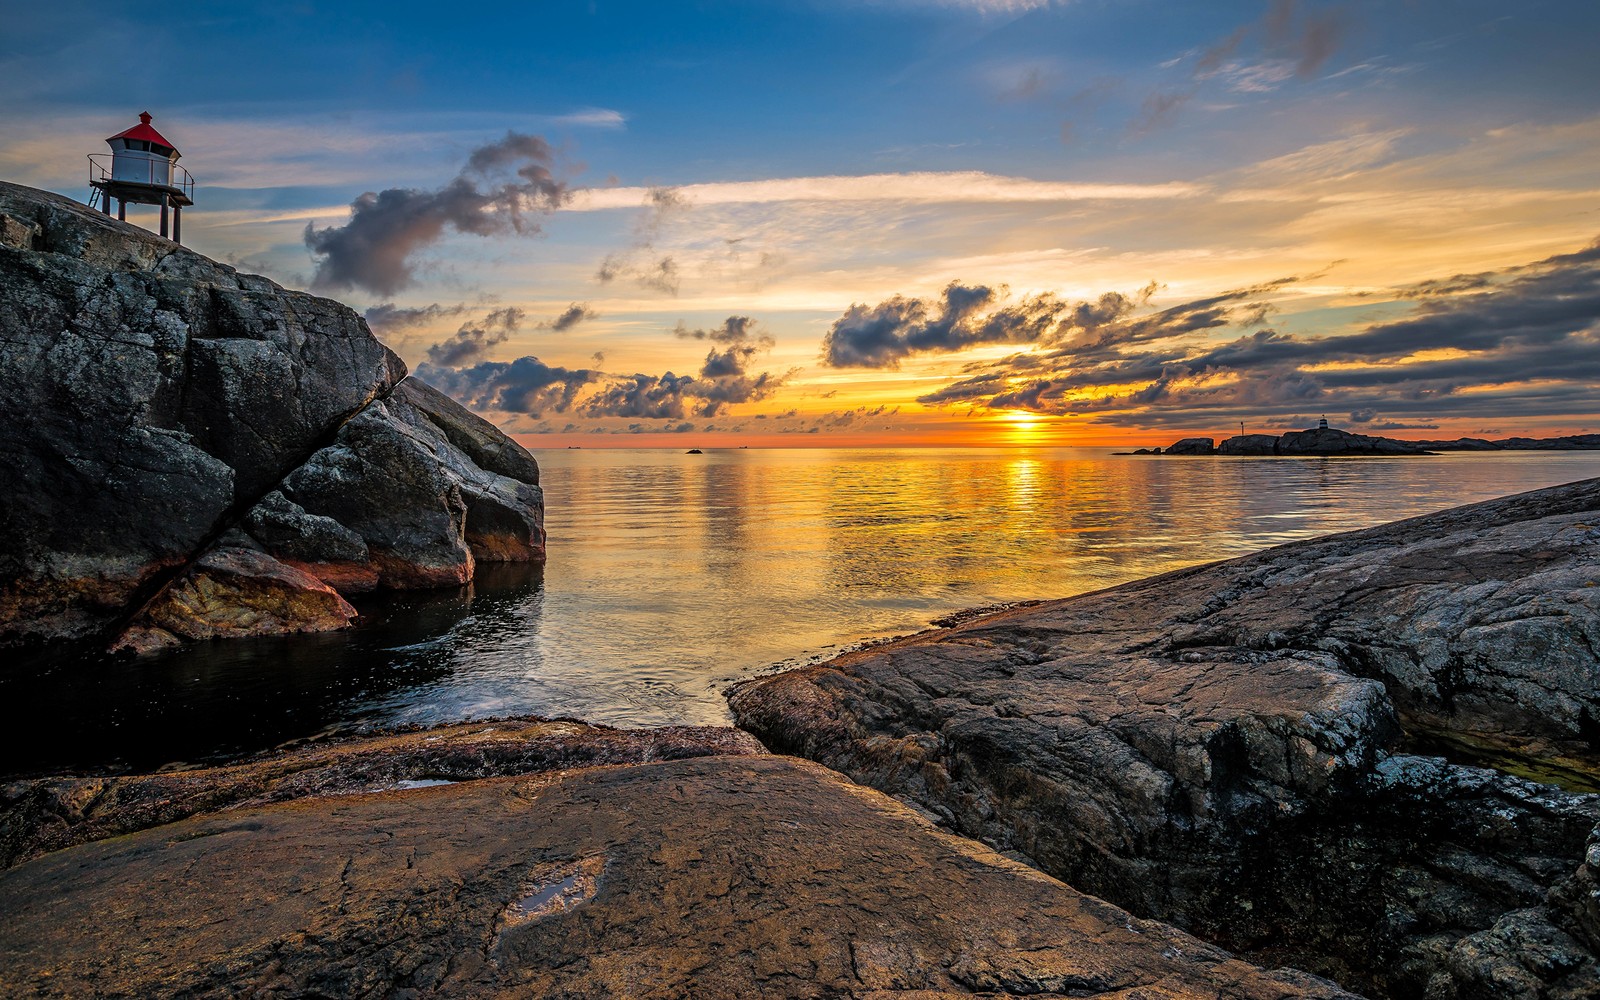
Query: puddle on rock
<point x="406" y="783"/>
<point x="554" y="888"/>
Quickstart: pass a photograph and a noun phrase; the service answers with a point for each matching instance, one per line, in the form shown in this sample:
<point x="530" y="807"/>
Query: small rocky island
<point x="1371" y="756"/>
<point x="195" y="453"/>
<point x="1328" y="441"/>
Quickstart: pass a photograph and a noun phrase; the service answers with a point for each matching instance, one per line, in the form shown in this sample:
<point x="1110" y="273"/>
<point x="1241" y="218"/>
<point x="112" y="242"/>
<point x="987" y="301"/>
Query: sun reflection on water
<point x="671" y="575"/>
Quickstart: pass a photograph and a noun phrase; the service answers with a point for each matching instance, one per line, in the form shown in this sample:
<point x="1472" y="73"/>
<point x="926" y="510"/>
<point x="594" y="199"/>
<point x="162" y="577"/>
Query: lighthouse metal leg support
<point x="177" y="223"/>
<point x="163" y="216"/>
<point x="122" y="209"/>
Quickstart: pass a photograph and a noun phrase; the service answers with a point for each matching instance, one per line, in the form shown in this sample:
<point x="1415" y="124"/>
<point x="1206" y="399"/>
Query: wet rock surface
<point x="1226" y="747"/>
<point x="710" y="878"/>
<point x="38" y="815"/>
<point x="151" y="398"/>
<point x="233" y="592"/>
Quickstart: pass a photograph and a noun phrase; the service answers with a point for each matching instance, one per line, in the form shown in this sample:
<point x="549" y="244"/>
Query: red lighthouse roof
<point x="144" y="131"/>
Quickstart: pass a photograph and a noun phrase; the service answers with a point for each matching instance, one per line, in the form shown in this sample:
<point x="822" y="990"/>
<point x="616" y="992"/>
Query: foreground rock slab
<point x="708" y="878"/>
<point x="47" y="814"/>
<point x="1231" y="747"/>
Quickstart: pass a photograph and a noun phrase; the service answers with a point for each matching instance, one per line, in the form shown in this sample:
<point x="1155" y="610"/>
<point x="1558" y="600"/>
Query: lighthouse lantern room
<point x="141" y="168"/>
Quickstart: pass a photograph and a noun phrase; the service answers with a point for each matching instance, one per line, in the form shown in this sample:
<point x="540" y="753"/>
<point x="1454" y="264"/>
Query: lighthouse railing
<point x="172" y="176"/>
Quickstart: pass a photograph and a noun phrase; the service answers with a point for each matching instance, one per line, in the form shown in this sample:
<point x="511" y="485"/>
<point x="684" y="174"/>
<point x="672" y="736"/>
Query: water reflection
<point x="221" y="699"/>
<point x="672" y="574"/>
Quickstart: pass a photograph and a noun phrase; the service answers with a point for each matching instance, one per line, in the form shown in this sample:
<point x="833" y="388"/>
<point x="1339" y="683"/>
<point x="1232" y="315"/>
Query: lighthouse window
<point x="142" y="145"/>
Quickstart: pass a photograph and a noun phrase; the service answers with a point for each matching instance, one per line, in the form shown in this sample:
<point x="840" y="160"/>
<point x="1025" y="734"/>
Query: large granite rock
<point x="718" y="877"/>
<point x="423" y="508"/>
<point x="1193" y="446"/>
<point x="1227" y="747"/>
<point x="1249" y="444"/>
<point x="151" y="399"/>
<point x="1332" y="441"/>
<point x="1317" y="441"/>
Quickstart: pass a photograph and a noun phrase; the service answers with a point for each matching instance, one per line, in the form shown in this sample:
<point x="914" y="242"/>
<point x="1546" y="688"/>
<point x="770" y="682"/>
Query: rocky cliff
<point x="1246" y="749"/>
<point x="195" y="452"/>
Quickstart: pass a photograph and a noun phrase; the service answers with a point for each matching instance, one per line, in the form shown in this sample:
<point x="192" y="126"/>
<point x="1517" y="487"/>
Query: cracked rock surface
<point x="716" y="877"/>
<point x="155" y="404"/>
<point x="1228" y="747"/>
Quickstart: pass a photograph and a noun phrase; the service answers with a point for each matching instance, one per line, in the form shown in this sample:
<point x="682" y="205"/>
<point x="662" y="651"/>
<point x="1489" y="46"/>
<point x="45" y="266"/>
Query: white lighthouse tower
<point x="142" y="168"/>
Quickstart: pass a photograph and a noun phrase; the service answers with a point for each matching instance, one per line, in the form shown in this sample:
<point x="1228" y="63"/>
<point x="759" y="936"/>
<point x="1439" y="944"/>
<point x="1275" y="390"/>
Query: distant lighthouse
<point x="142" y="168"/>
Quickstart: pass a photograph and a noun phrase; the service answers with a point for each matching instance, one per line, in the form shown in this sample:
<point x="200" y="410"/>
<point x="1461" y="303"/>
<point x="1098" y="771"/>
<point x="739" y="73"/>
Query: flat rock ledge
<point x="39" y="815"/>
<point x="715" y="877"/>
<point x="1246" y="749"/>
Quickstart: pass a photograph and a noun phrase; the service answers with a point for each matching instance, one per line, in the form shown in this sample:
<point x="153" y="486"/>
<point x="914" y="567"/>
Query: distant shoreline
<point x="1329" y="442"/>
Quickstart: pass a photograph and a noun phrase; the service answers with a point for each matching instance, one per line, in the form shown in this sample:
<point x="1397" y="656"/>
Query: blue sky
<point x="802" y="163"/>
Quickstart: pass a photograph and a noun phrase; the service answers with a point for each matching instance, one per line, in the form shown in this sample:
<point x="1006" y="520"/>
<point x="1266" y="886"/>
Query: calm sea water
<point x="671" y="575"/>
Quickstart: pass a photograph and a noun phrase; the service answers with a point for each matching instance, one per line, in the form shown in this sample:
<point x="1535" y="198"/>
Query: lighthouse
<point x="142" y="168"/>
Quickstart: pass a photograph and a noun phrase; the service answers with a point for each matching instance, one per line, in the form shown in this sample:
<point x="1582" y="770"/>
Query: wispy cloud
<point x="639" y="262"/>
<point x="952" y="187"/>
<point x="1292" y="41"/>
<point x="985" y="7"/>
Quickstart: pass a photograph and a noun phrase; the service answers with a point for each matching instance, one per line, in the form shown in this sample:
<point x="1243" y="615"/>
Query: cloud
<point x="574" y="314"/>
<point x="1160" y="108"/>
<point x="881" y="336"/>
<point x="658" y="397"/>
<point x="1523" y="341"/>
<point x="472" y="342"/>
<point x="530" y="387"/>
<point x="526" y="385"/>
<point x="1292" y="42"/>
<point x="733" y="330"/>
<point x="983" y="6"/>
<point x="1308" y="39"/>
<point x="499" y="185"/>
<point x="639" y="262"/>
<point x="1214" y="56"/>
<point x="724" y="379"/>
<point x="953" y="187"/>
<point x="1392" y="425"/>
<point x="390" y="318"/>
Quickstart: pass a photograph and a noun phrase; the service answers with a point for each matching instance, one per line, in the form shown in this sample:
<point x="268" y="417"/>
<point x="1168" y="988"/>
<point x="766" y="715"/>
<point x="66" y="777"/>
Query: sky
<point x="889" y="222"/>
